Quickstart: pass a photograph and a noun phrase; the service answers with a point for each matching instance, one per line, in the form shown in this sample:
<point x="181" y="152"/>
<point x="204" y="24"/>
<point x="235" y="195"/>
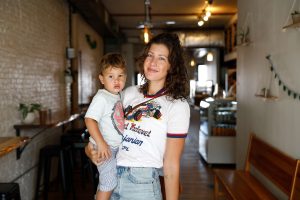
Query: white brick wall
<point x="88" y="60"/>
<point x="33" y="39"/>
<point x="33" y="36"/>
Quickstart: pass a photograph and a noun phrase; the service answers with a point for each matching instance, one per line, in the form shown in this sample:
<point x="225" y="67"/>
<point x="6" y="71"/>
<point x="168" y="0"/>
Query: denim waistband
<point x="122" y="168"/>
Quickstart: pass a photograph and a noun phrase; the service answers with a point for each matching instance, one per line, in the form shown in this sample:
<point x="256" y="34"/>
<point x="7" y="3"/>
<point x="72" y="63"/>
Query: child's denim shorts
<point x="137" y="183"/>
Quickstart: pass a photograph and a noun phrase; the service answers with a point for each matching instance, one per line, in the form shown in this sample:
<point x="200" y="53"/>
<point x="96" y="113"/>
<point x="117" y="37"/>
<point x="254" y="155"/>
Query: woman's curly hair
<point x="177" y="83"/>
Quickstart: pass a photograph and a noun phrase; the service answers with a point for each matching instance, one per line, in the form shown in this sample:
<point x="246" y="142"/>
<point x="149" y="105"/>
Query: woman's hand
<point x="103" y="151"/>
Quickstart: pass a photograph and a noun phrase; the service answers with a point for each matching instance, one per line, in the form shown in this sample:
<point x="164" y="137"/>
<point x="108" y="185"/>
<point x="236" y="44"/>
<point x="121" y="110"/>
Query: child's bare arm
<point x="103" y="149"/>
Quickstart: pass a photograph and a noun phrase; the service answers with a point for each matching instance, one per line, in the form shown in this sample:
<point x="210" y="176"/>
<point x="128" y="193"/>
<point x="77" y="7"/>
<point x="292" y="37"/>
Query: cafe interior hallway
<point x="196" y="175"/>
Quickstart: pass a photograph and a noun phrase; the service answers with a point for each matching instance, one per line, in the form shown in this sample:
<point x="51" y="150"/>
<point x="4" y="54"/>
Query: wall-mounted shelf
<point x="42" y="128"/>
<point x="8" y="144"/>
<point x="294" y="25"/>
<point x="244" y="44"/>
<point x="267" y="98"/>
<point x="230" y="56"/>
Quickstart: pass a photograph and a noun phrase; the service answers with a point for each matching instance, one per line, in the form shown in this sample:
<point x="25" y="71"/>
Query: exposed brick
<point x="33" y="41"/>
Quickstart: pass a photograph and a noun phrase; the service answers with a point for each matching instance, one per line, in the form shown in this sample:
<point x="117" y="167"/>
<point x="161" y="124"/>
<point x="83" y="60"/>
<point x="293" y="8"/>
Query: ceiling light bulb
<point x="208" y="13"/>
<point x="146" y="35"/>
<point x="170" y="22"/>
<point x="210" y="56"/>
<point x="192" y="63"/>
<point x="200" y="23"/>
<point x="205" y="18"/>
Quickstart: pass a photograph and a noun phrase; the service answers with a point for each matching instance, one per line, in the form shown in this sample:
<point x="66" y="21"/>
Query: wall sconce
<point x="70" y="53"/>
<point x="68" y="75"/>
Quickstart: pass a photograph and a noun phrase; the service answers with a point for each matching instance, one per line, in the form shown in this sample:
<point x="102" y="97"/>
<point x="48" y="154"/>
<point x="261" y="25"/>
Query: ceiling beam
<point x="96" y="15"/>
<point x="168" y="14"/>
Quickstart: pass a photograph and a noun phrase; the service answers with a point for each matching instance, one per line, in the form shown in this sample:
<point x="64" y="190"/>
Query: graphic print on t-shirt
<point x="117" y="117"/>
<point x="149" y="109"/>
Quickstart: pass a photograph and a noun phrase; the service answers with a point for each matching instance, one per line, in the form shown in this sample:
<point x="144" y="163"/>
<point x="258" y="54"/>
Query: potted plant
<point x="27" y="112"/>
<point x="295" y="17"/>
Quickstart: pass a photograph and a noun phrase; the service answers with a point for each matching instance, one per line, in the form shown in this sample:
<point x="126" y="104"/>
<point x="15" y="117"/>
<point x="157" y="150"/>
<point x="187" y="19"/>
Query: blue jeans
<point x="137" y="183"/>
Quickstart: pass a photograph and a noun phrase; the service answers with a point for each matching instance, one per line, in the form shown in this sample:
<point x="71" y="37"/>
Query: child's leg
<point x="107" y="177"/>
<point x="101" y="195"/>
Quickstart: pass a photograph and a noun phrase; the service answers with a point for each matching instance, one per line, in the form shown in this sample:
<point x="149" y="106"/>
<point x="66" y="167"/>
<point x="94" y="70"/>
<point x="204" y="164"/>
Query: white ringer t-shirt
<point x="106" y="108"/>
<point x="146" y="128"/>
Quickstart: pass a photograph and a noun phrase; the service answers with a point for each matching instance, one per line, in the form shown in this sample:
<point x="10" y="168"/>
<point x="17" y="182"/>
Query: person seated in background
<point x="232" y="83"/>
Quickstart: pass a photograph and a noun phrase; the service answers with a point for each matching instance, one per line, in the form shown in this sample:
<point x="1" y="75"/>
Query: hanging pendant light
<point x="147" y="22"/>
<point x="146" y="35"/>
<point x="210" y="56"/>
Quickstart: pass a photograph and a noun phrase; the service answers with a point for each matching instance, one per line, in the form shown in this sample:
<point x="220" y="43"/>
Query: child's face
<point x="113" y="79"/>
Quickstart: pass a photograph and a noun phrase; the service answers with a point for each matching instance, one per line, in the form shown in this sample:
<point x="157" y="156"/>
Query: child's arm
<point x="102" y="147"/>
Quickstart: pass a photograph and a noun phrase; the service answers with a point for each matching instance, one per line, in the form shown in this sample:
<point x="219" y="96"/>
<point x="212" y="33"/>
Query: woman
<point x="156" y="123"/>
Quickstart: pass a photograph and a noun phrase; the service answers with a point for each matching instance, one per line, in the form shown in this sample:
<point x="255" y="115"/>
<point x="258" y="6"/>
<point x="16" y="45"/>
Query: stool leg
<point x="84" y="164"/>
<point x="39" y="175"/>
<point x="63" y="175"/>
<point x="69" y="171"/>
<point x="47" y="170"/>
<point x="95" y="175"/>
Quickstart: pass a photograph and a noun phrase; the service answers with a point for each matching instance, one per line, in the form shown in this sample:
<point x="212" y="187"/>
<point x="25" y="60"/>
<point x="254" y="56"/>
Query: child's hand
<point x="103" y="151"/>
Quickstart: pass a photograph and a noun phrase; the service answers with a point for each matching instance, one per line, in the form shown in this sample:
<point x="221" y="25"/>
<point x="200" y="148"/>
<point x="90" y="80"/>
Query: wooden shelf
<point x="267" y="98"/>
<point x="294" y="25"/>
<point x="8" y="144"/>
<point x="230" y="56"/>
<point x="43" y="128"/>
<point x="244" y="44"/>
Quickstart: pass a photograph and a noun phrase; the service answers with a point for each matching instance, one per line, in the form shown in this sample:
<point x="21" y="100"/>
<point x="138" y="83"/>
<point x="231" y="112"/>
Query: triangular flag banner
<point x="285" y="88"/>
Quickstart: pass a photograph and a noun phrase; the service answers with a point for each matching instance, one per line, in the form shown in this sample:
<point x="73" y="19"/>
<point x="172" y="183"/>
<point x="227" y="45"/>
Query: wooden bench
<point x="280" y="169"/>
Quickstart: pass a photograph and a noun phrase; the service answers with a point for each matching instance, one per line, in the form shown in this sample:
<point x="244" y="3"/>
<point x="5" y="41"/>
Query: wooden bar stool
<point x="64" y="155"/>
<point x="10" y="191"/>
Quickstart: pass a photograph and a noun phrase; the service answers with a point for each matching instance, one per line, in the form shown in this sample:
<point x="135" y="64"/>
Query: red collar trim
<point x="157" y="94"/>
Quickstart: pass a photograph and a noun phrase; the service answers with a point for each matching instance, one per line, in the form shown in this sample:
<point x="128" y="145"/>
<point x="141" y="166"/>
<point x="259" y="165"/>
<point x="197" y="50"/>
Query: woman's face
<point x="156" y="64"/>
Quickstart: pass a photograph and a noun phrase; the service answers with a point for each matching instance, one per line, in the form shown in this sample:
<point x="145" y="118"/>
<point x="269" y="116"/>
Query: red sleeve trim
<point x="176" y="135"/>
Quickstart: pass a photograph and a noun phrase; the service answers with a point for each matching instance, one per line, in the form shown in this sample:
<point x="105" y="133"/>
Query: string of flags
<point x="281" y="84"/>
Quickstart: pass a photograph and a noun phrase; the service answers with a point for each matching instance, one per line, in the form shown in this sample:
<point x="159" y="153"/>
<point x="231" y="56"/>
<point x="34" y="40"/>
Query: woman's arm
<point x="174" y="148"/>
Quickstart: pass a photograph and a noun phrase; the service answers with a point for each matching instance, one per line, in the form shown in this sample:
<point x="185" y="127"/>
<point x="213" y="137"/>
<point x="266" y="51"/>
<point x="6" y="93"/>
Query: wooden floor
<point x="196" y="176"/>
